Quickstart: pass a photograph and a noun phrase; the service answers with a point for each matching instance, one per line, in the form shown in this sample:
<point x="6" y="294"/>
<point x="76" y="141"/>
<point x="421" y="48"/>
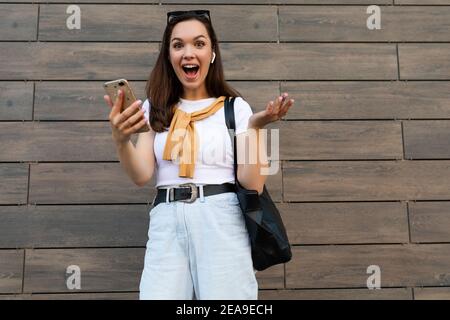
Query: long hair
<point x="163" y="87"/>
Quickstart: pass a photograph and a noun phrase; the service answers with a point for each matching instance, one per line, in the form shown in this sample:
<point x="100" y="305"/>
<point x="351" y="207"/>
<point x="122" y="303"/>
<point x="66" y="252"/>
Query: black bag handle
<point x="231" y="125"/>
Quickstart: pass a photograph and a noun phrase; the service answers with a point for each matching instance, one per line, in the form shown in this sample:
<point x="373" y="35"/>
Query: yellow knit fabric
<point x="182" y="141"/>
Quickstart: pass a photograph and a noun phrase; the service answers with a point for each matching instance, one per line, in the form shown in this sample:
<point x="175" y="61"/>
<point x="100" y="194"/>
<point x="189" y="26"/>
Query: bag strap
<point x="231" y="125"/>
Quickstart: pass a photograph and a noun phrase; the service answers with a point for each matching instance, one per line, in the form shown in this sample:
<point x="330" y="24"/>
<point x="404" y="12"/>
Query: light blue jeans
<point x="199" y="249"/>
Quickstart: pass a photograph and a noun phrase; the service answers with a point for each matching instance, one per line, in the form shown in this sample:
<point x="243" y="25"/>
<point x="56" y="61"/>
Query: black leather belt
<point x="188" y="192"/>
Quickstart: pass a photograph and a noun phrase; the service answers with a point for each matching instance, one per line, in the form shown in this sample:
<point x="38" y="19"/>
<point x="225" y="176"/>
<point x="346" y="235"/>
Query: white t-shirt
<point x="214" y="162"/>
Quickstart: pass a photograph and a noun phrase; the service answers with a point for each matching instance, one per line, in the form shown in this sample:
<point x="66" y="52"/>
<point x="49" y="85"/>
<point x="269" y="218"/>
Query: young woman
<point x="198" y="243"/>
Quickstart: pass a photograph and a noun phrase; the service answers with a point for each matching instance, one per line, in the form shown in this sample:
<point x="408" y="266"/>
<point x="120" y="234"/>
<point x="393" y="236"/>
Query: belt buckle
<point x="194" y="192"/>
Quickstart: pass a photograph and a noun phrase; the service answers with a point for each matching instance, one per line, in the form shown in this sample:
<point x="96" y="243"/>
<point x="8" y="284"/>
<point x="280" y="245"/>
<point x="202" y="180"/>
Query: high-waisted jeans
<point x="198" y="250"/>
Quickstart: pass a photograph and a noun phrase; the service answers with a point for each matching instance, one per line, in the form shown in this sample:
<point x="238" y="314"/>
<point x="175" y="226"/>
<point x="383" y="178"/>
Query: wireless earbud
<point x="214" y="56"/>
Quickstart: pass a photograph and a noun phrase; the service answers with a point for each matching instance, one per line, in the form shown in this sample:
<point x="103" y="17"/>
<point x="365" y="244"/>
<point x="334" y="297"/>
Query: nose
<point x="187" y="51"/>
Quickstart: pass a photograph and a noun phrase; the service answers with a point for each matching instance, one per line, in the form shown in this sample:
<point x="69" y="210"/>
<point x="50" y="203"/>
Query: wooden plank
<point x="309" y="61"/>
<point x="306" y="140"/>
<point x="338" y="23"/>
<point x="80" y="100"/>
<point x="99" y="61"/>
<point x="116" y="269"/>
<point x="424" y="61"/>
<point x="430" y="221"/>
<point x="11" y="271"/>
<point x="57" y="141"/>
<point x="58" y="183"/>
<point x="76" y="61"/>
<point x="271" y="278"/>
<point x="13" y="183"/>
<point x="337" y="294"/>
<point x="73" y="226"/>
<point x="423" y="2"/>
<point x="74" y="296"/>
<point x="105" y="269"/>
<point x="345" y="223"/>
<point x="257" y="93"/>
<point x="369" y="100"/>
<point x="83" y="100"/>
<point x="18" y="22"/>
<point x="432" y="293"/>
<point x="16" y="100"/>
<point x="132" y="22"/>
<point x="346" y="266"/>
<point x="427" y="139"/>
<point x="237" y="2"/>
<point x="366" y="180"/>
<point x="282" y="2"/>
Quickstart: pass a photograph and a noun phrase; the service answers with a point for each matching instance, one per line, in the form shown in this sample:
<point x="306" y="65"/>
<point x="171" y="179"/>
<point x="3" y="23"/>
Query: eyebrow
<point x="194" y="38"/>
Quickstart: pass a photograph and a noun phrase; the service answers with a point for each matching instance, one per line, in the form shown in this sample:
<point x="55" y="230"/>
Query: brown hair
<point x="163" y="86"/>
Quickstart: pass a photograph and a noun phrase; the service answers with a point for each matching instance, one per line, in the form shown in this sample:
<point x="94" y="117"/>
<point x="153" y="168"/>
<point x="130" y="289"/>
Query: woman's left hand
<point x="274" y="111"/>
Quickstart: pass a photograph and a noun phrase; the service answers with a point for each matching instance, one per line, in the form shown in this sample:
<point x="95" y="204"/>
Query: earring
<point x="214" y="56"/>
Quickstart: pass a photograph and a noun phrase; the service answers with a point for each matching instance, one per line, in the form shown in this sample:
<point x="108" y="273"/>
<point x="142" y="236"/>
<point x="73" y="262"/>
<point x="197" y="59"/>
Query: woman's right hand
<point x="124" y="124"/>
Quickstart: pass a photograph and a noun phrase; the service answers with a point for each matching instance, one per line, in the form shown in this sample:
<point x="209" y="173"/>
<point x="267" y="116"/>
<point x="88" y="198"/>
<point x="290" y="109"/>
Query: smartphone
<point x="111" y="88"/>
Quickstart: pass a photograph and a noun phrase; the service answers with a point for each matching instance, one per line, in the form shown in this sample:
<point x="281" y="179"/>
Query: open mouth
<point x="191" y="72"/>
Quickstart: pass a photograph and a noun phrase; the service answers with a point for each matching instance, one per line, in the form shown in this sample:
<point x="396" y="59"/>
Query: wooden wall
<point x="365" y="151"/>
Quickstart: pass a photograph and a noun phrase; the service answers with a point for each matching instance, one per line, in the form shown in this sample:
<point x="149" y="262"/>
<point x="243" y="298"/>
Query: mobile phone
<point x="111" y="88"/>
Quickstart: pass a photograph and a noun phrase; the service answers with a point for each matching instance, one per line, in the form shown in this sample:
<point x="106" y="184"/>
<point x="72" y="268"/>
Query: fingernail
<point x="139" y="101"/>
<point x="119" y="92"/>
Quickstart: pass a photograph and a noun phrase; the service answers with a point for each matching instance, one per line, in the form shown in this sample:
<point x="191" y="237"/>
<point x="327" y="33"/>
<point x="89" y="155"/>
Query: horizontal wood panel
<point x="292" y="61"/>
<point x="307" y="61"/>
<point x="133" y="22"/>
<point x="424" y="61"/>
<point x="16" y="100"/>
<point x="76" y="100"/>
<point x="13" y="183"/>
<point x="18" y="21"/>
<point x="117" y="269"/>
<point x="76" y="61"/>
<point x="366" y="181"/>
<point x="58" y="141"/>
<point x="236" y="2"/>
<point x="74" y="296"/>
<point x="73" y="226"/>
<point x="300" y="140"/>
<point x="337" y="294"/>
<point x="432" y="293"/>
<point x="61" y="183"/>
<point x="106" y="269"/>
<point x="83" y="100"/>
<point x="423" y="2"/>
<point x="54" y="183"/>
<point x="430" y="221"/>
<point x="427" y="139"/>
<point x="369" y="100"/>
<point x="346" y="266"/>
<point x="271" y="278"/>
<point x="345" y="223"/>
<point x="328" y="23"/>
<point x="286" y="1"/>
<point x="11" y="271"/>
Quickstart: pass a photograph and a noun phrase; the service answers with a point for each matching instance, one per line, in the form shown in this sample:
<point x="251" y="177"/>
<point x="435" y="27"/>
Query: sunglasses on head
<point x="177" y="14"/>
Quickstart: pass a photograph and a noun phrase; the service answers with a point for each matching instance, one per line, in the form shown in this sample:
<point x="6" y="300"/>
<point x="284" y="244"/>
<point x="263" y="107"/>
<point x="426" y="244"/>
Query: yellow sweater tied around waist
<point x="182" y="141"/>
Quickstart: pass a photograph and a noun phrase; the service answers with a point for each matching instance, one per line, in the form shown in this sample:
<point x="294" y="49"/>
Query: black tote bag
<point x="268" y="238"/>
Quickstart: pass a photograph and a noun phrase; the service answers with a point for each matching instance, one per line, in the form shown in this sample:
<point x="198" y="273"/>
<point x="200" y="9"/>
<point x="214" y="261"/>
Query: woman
<point x="198" y="244"/>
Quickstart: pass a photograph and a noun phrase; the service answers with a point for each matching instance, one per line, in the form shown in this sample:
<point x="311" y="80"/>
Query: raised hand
<point x="124" y="124"/>
<point x="274" y="111"/>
